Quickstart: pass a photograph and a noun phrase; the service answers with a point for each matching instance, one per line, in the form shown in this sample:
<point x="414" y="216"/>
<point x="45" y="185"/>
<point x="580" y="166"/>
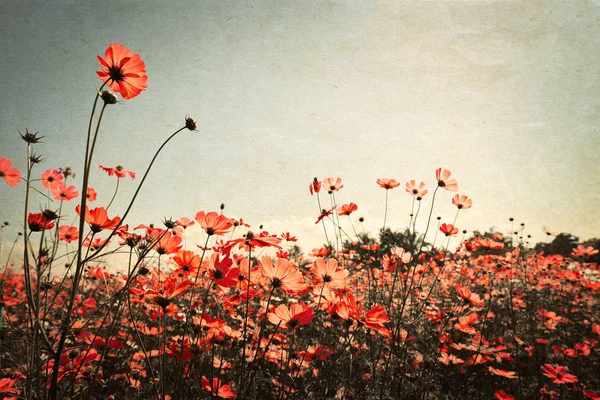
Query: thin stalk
<point x="386" y="208"/>
<point x="428" y="219"/>
<point x="244" y="338"/>
<point x="323" y="222"/>
<point x="135" y="195"/>
<point x="114" y="194"/>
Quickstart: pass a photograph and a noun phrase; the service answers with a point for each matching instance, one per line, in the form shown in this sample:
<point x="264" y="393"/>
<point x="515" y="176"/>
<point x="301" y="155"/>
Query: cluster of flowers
<point x="245" y="315"/>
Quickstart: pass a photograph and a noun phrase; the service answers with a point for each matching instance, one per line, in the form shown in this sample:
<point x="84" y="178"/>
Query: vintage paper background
<point x="505" y="94"/>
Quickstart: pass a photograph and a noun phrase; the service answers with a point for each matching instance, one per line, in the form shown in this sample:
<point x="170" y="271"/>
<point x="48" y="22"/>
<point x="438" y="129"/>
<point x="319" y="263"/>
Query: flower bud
<point x="190" y="124"/>
<point x="50" y="215"/>
<point x="109" y="97"/>
<point x="35" y="159"/>
<point x="169" y="223"/>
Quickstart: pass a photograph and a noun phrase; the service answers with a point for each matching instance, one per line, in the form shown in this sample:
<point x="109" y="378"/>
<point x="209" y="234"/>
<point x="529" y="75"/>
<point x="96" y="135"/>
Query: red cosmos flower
<point x="12" y="176"/>
<point x="185" y="222"/>
<point x="497" y="236"/>
<point x="488" y="243"/>
<point x="443" y="178"/>
<point x="97" y="273"/>
<point x="6" y="385"/>
<point x="332" y="185"/>
<point x="187" y="261"/>
<point x="61" y="191"/>
<point x="448" y="229"/>
<point x="168" y="291"/>
<point x="168" y="244"/>
<point x="322" y="252"/>
<point x="582" y="251"/>
<point x="503" y="373"/>
<point x="206" y="321"/>
<point x="91" y="195"/>
<point x="318" y="352"/>
<point x="448" y="359"/>
<point x="375" y="318"/>
<point x="95" y="244"/>
<point x="284" y="275"/>
<point x="419" y="191"/>
<point x="314" y="186"/>
<point x="70" y="367"/>
<point x="250" y="241"/>
<point x="348" y="209"/>
<point x="288" y="237"/>
<point x="327" y="272"/>
<point x="398" y="256"/>
<point x="218" y="389"/>
<point x="502" y="395"/>
<point x="223" y="271"/>
<point x="387" y="183"/>
<point x="558" y="374"/>
<point x="98" y="219"/>
<point x="124" y="71"/>
<point x="37" y="222"/>
<point x="68" y="233"/>
<point x="324" y="214"/>
<point x="582" y="349"/>
<point x="462" y="202"/>
<point x="591" y="395"/>
<point x="293" y="317"/>
<point x="466" y="294"/>
<point x="51" y="177"/>
<point x="83" y="307"/>
<point x="283" y="254"/>
<point x="119" y="171"/>
<point x="213" y="223"/>
<point x="348" y="308"/>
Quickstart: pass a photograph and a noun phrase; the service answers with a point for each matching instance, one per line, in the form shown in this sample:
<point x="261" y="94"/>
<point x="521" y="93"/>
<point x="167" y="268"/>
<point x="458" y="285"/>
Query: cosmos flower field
<point x="244" y="314"/>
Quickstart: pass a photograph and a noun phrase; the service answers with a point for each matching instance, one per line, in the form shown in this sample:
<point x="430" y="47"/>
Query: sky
<point x="504" y="94"/>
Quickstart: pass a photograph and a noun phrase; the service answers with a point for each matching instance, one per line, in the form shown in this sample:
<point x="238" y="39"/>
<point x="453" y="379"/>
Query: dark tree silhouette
<point x="563" y="244"/>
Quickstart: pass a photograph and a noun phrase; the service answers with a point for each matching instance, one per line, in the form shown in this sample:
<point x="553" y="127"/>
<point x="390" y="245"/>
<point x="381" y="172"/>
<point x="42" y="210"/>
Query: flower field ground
<point x="243" y="313"/>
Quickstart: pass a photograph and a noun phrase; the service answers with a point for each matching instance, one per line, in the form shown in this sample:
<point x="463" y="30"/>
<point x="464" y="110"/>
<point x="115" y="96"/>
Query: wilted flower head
<point x="31" y="137"/>
<point x="190" y="124"/>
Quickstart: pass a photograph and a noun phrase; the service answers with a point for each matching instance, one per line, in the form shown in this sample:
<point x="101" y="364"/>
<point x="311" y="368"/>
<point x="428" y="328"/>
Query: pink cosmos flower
<point x="443" y="178"/>
<point x="12" y="176"/>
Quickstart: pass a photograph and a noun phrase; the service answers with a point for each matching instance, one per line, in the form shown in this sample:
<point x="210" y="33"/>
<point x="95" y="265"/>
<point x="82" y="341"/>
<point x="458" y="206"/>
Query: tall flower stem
<point x="134" y="195"/>
<point x="322" y="221"/>
<point x="27" y="272"/>
<point x="188" y="367"/>
<point x="437" y="229"/>
<point x="244" y="338"/>
<point x="455" y="217"/>
<point x="353" y="228"/>
<point x="114" y="194"/>
<point x="386" y="208"/>
<point x="260" y="333"/>
<point x="428" y="219"/>
<point x="320" y="336"/>
<point x="412" y="209"/>
<point x="53" y="393"/>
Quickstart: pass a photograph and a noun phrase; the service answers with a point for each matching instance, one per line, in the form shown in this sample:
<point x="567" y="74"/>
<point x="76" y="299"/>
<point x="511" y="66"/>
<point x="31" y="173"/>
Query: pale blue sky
<point x="505" y="94"/>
